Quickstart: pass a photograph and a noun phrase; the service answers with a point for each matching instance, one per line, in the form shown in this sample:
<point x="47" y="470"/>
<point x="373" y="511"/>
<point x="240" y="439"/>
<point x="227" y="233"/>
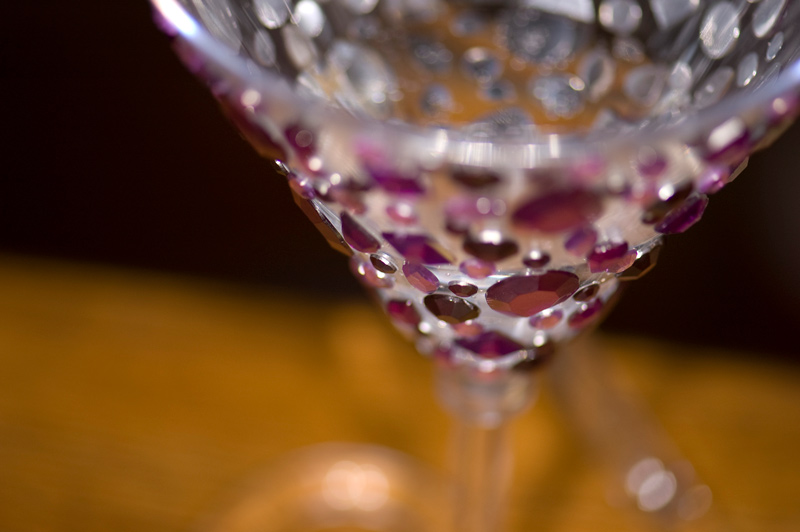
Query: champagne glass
<point x="495" y="170"/>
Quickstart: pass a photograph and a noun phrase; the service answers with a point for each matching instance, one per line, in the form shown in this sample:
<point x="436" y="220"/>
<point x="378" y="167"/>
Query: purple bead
<point x="588" y="314"/>
<point x="713" y="179"/>
<point x="641" y="266"/>
<point x="403" y="312"/>
<point x="682" y="218"/>
<point x="383" y="263"/>
<point x="474" y="178"/>
<point x="420" y="277"/>
<point x="612" y="257"/>
<point x="728" y="142"/>
<point x="526" y="295"/>
<point x="558" y="211"/>
<point x="489" y="344"/>
<point x="415" y="248"/>
<point x="581" y="242"/>
<point x="536" y="260"/>
<point x="358" y="237"/>
<point x="367" y="274"/>
<point x="395" y="182"/>
<point x="451" y="309"/>
<point x="490" y="251"/>
<point x="651" y="164"/>
<point x="659" y="209"/>
<point x="547" y="319"/>
<point x="463" y="289"/>
<point x="587" y="292"/>
<point x="301" y="139"/>
<point x="476" y="268"/>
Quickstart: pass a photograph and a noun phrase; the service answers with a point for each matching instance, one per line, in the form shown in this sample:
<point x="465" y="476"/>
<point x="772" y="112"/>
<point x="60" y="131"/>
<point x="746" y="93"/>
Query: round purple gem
<point x="547" y="319"/>
<point x="589" y="313"/>
<point x="301" y="139"/>
<point x="462" y="289"/>
<point x="468" y="328"/>
<point x="451" y="309"/>
<point x="489" y="344"/>
<point x="536" y="260"/>
<point x="490" y="251"/>
<point x="558" y="211"/>
<point x="420" y="277"/>
<point x="641" y="266"/>
<point x="587" y="292"/>
<point x="713" y="179"/>
<point x="651" y="164"/>
<point x="474" y="178"/>
<point x="581" y="241"/>
<point x="395" y="182"/>
<point x="402" y="213"/>
<point x="682" y="218"/>
<point x="415" y="248"/>
<point x="383" y="263"/>
<point x="612" y="257"/>
<point x="476" y="268"/>
<point x="358" y="237"/>
<point x="366" y="273"/>
<point x="403" y="312"/>
<point x="526" y="295"/>
<point x="657" y="210"/>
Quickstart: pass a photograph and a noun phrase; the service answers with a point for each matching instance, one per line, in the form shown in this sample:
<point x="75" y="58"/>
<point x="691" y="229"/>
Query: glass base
<point x="338" y="487"/>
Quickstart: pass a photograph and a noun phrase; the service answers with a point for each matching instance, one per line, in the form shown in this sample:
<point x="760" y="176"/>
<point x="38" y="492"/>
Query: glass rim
<point x="538" y="146"/>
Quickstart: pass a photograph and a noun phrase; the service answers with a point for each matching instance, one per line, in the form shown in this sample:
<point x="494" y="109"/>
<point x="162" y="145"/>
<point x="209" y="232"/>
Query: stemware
<point x="494" y="170"/>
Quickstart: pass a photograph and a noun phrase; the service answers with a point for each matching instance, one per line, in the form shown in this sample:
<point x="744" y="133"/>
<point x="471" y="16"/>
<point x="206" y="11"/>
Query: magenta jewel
<point x="587" y="292"/>
<point x="468" y="328"/>
<point x="402" y="213"/>
<point x="367" y="274"/>
<point x="395" y="182"/>
<point x="490" y="251"/>
<point x="612" y="257"/>
<point x="558" y="211"/>
<point x="581" y="242"/>
<point x="403" y="312"/>
<point x="451" y="309"/>
<point x="420" y="277"/>
<point x="489" y="344"/>
<point x="671" y="199"/>
<point x="415" y="248"/>
<point x="581" y="318"/>
<point x="358" y="237"/>
<point x="536" y="260"/>
<point x="641" y="266"/>
<point x="547" y="319"/>
<point x="526" y="295"/>
<point x="713" y="179"/>
<point x="682" y="218"/>
<point x="477" y="178"/>
<point x="463" y="289"/>
<point x="383" y="263"/>
<point x="301" y="139"/>
<point x="651" y="164"/>
<point x="476" y="268"/>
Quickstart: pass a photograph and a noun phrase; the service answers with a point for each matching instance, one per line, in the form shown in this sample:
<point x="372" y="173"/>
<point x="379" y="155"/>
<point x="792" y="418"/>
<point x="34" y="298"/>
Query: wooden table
<point x="141" y="401"/>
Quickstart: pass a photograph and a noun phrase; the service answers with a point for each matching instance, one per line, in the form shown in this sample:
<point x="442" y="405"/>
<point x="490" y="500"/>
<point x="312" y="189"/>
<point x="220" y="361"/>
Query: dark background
<point x="113" y="153"/>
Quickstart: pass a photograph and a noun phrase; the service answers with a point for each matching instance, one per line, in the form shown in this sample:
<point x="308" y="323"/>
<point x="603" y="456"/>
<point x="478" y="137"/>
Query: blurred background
<point x="114" y="154"/>
<point x="155" y="277"/>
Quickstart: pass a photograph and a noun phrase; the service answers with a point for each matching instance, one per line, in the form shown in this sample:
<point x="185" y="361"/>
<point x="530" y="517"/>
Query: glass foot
<point x="338" y="487"/>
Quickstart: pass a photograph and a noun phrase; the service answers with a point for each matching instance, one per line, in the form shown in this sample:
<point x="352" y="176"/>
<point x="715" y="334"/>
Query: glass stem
<point x="482" y="408"/>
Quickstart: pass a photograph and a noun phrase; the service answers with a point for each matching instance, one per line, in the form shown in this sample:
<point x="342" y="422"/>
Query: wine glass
<point x="494" y="170"/>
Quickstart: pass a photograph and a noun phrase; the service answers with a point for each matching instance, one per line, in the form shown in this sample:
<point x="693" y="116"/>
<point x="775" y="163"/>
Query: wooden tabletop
<point x="144" y="401"/>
